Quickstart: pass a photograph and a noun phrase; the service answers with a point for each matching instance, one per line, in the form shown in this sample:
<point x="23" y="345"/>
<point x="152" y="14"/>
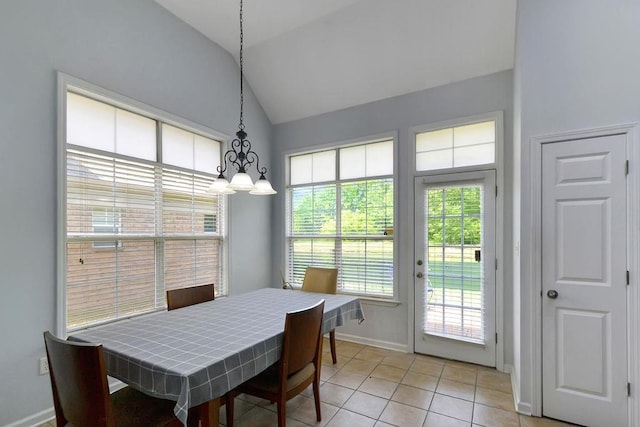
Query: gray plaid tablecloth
<point x="198" y="353"/>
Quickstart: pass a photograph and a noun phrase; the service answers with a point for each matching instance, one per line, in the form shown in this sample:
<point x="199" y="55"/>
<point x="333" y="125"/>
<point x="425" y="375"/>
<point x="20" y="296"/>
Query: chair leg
<point x="332" y="342"/>
<point x="229" y="400"/>
<point x="282" y="415"/>
<point x="316" y="397"/>
<point x="193" y="418"/>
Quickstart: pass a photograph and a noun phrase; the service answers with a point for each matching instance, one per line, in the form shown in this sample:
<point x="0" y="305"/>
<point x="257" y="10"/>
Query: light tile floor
<point x="373" y="387"/>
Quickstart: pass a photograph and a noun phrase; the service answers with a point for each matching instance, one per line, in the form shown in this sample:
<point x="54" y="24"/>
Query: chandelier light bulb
<point x="263" y="187"/>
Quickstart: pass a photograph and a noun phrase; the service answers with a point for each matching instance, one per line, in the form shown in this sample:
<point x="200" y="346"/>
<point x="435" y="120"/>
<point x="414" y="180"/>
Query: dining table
<point x="196" y="354"/>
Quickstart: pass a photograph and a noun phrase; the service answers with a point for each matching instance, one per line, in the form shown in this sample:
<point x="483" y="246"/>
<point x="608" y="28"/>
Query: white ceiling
<point x="307" y="57"/>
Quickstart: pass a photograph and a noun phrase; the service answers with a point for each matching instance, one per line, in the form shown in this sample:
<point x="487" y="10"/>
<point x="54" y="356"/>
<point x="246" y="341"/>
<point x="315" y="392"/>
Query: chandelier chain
<point x="241" y="125"/>
<point x="240" y="155"/>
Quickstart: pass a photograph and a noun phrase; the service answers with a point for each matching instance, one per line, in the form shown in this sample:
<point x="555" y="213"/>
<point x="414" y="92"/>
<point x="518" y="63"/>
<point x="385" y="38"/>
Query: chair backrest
<point x="301" y="344"/>
<point x="79" y="382"/>
<point x="318" y="279"/>
<point x="178" y="298"/>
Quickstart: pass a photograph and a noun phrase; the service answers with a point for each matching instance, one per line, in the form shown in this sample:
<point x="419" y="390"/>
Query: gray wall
<point x="135" y="48"/>
<point x="390" y="325"/>
<point x="577" y="67"/>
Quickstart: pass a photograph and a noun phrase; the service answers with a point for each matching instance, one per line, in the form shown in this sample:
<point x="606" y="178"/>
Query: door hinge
<point x="496" y="191"/>
<point x="496" y="264"/>
<point x="628" y="389"/>
<point x="626" y="167"/>
<point x="496" y="338"/>
<point x="628" y="281"/>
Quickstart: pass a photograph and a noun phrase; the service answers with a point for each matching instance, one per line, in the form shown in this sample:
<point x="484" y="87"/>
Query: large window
<point x="138" y="217"/>
<point x="340" y="214"/>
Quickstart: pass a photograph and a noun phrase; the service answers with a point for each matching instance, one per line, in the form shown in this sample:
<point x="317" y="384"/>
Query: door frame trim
<point x="462" y="178"/>
<point x="631" y="132"/>
<point x="409" y="265"/>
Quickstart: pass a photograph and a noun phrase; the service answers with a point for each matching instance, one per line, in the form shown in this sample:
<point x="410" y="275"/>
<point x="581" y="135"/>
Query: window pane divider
<point x="190" y="237"/>
<point x="101" y="237"/>
<point x="341" y="236"/>
<point x="78" y="149"/>
<point x="340" y="181"/>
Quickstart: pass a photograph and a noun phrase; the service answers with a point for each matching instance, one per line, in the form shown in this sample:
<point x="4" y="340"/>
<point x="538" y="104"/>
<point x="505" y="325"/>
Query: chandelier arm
<point x="251" y="157"/>
<point x="260" y="170"/>
<point x="231" y="157"/>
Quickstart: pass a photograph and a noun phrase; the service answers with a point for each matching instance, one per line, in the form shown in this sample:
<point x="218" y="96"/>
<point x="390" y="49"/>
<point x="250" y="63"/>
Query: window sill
<point x="365" y="299"/>
<point x="379" y="302"/>
<point x="479" y="343"/>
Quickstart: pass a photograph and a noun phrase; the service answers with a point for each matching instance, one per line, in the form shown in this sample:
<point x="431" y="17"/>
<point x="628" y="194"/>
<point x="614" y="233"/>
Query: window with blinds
<point x="136" y="226"/>
<point x="340" y="213"/>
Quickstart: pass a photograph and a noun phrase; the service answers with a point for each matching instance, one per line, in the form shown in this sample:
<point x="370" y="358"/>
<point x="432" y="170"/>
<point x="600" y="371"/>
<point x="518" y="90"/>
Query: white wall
<point x="577" y="67"/>
<point x="135" y="48"/>
<point x="389" y="325"/>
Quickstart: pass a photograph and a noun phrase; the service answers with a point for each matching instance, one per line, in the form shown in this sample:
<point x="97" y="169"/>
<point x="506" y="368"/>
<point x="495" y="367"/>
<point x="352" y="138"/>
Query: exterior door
<point x="454" y="267"/>
<point x="584" y="287"/>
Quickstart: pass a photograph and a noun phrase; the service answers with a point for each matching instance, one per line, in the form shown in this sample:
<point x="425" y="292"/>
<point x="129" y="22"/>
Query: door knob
<point x="553" y="294"/>
<point x="419" y="275"/>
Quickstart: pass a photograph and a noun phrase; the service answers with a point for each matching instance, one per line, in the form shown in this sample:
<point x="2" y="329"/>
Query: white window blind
<point x="135" y="227"/>
<point x="345" y="222"/>
<point x="468" y="145"/>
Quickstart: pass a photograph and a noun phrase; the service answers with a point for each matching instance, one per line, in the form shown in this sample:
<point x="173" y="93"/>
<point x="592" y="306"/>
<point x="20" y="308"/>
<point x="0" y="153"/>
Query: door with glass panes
<point x="454" y="266"/>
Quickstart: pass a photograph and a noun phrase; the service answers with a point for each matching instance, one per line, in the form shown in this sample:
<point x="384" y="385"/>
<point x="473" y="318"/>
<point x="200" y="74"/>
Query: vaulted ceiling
<point x="307" y="57"/>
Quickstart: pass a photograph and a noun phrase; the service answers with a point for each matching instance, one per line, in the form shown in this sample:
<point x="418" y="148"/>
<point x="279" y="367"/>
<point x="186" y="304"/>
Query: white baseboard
<point x="35" y="419"/>
<point x="50" y="413"/>
<point x="374" y="343"/>
<point x="523" y="408"/>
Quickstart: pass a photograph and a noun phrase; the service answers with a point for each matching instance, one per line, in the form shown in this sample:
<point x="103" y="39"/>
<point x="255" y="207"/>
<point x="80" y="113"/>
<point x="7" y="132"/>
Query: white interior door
<point x="584" y="288"/>
<point x="454" y="267"/>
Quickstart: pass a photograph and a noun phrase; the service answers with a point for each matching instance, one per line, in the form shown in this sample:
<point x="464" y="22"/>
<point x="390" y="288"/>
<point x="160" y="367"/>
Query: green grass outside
<point x="455" y="275"/>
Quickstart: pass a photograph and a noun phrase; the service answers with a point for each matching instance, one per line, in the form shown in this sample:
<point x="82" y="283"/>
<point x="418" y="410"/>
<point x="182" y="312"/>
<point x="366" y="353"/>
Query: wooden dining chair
<point x="81" y="391"/>
<point x="183" y="297"/>
<point x="299" y="365"/>
<point x="324" y="280"/>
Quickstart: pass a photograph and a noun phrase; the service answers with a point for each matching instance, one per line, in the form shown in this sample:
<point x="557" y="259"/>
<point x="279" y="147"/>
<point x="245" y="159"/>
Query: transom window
<point x="138" y="217"/>
<point x="454" y="147"/>
<point x="340" y="214"/>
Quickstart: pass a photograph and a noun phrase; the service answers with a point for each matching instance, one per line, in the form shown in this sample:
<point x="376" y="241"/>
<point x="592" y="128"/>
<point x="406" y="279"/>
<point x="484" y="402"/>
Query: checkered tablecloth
<point x="198" y="353"/>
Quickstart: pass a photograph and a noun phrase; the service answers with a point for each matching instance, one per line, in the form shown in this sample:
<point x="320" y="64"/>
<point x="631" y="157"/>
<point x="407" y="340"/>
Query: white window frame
<point x="67" y="83"/>
<point x="498" y="166"/>
<point x="393" y="136"/>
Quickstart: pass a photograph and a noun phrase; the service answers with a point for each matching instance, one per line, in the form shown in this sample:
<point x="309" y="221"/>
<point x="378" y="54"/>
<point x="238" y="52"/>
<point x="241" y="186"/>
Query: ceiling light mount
<point x="241" y="155"/>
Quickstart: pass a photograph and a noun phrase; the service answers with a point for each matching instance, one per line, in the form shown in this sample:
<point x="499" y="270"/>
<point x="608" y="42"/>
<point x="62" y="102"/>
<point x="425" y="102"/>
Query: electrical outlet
<point x="44" y="366"/>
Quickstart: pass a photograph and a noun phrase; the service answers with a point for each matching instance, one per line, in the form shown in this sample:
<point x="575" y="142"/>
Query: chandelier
<point x="241" y="155"/>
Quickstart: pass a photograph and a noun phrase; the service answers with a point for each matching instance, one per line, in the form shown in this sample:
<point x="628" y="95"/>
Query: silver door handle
<point x="419" y="275"/>
<point x="553" y="294"/>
